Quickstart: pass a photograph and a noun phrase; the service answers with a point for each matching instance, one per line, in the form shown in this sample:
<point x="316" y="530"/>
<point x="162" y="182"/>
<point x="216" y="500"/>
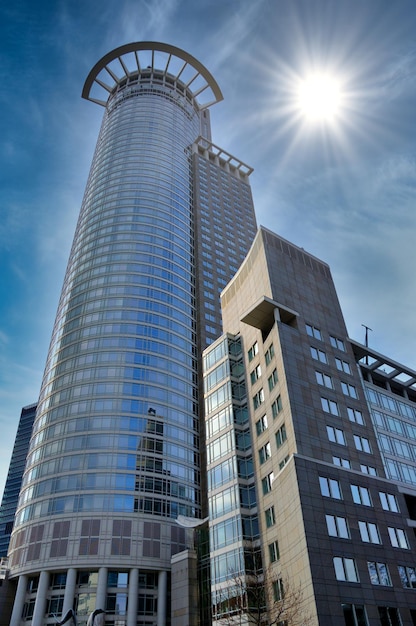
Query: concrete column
<point x="71" y="581"/>
<point x="38" y="618"/>
<point x="133" y="597"/>
<point x="101" y="589"/>
<point x="162" y="591"/>
<point x="19" y="601"/>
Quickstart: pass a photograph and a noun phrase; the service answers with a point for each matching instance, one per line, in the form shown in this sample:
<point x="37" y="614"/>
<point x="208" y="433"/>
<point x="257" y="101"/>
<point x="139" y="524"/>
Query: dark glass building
<point x="14" y="476"/>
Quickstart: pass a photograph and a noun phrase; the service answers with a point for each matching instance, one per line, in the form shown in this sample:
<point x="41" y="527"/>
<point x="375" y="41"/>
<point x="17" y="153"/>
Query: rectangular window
<point x="330" y="488"/>
<point x="269" y="354"/>
<point x="341" y="462"/>
<point x="362" y="444"/>
<point x="283" y="463"/>
<point x="274" y="551"/>
<point x="361" y="495"/>
<point x="368" y="469"/>
<point x="379" y="574"/>
<point x="253" y="351"/>
<point x="276" y="407"/>
<point x="272" y="380"/>
<point x="324" y="379"/>
<point x="255" y="374"/>
<point x="281" y="436"/>
<point x="270" y="517"/>
<point x="349" y="390"/>
<point x="267" y="483"/>
<point x="354" y="615"/>
<point x="398" y="538"/>
<point x="343" y="366"/>
<point x="345" y="569"/>
<point x="407" y="576"/>
<point x="337" y="343"/>
<point x="369" y="532"/>
<point x="355" y="416"/>
<point x="389" y="616"/>
<point x="336" y="435"/>
<point x="318" y="355"/>
<point x="312" y="331"/>
<point x="265" y="453"/>
<point x="278" y="594"/>
<point x="329" y="406"/>
<point x="258" y="399"/>
<point x="388" y="502"/>
<point x="337" y="526"/>
<point x="261" y="424"/>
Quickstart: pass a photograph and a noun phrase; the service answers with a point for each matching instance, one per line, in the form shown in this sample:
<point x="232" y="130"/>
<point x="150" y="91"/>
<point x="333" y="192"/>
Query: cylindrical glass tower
<point x="114" y="455"/>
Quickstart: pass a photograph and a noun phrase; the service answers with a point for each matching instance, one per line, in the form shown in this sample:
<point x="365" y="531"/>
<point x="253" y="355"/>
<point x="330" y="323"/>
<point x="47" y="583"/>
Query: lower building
<point x="310" y="456"/>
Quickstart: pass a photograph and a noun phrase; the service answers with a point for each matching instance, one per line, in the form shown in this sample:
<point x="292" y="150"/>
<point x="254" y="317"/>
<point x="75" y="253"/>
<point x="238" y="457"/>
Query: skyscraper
<point x="14" y="476"/>
<point x="114" y="458"/>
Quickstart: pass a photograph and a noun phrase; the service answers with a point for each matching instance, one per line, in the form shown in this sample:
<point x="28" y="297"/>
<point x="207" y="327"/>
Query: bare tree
<point x="259" y="600"/>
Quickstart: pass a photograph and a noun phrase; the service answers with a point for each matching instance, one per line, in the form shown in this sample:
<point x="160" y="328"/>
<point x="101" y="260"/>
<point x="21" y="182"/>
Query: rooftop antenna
<point x="367" y="328"/>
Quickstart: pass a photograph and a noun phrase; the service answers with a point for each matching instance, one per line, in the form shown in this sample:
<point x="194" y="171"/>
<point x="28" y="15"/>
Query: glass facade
<point x="114" y="457"/>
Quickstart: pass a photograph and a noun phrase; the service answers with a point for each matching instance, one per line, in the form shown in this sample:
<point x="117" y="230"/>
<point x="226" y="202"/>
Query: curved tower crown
<point x="148" y="61"/>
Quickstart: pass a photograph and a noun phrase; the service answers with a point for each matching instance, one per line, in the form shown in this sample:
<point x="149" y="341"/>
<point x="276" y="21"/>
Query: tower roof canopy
<point x="144" y="56"/>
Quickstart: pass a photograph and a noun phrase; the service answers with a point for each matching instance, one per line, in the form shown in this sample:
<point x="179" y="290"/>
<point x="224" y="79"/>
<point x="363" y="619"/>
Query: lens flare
<point x="319" y="97"/>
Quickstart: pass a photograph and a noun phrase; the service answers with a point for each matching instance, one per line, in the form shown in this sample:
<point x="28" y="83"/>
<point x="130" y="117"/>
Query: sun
<point x="319" y="97"/>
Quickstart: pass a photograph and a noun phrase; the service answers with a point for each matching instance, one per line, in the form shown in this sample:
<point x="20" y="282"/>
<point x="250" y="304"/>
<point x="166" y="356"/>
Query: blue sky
<point x="345" y="193"/>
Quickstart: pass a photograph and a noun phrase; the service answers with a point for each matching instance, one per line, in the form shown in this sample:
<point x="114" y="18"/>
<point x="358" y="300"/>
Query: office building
<point x="311" y="455"/>
<point x="14" y="476"/>
<point x="9" y="504"/>
<point x="114" y="458"/>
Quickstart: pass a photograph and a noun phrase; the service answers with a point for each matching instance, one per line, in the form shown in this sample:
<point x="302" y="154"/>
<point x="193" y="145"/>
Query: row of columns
<point x="38" y="618"/>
